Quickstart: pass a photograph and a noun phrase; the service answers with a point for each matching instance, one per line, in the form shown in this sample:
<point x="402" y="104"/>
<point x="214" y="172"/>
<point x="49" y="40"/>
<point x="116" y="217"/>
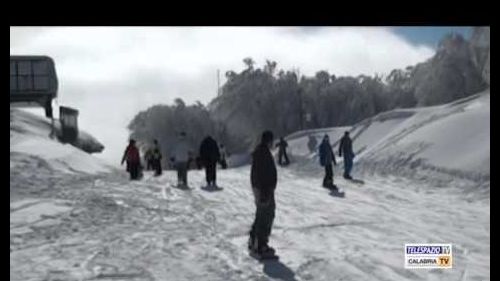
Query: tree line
<point x="260" y="98"/>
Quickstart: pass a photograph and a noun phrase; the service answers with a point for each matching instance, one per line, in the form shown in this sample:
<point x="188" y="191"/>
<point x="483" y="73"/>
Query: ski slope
<point x="446" y="145"/>
<point x="74" y="218"/>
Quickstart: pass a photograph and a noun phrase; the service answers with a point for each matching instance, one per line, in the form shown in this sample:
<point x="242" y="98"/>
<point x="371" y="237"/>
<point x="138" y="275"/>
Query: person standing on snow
<point x="148" y="157"/>
<point x="263" y="180"/>
<point x="157" y="158"/>
<point x="133" y="159"/>
<point x="209" y="155"/>
<point x="326" y="157"/>
<point x="181" y="158"/>
<point x="346" y="148"/>
<point x="312" y="143"/>
<point x="282" y="144"/>
<point x="223" y="155"/>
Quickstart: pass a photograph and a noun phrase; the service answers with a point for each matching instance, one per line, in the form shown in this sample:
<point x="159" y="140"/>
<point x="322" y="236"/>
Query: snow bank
<point x="442" y="142"/>
<point x="452" y="139"/>
<point x="30" y="135"/>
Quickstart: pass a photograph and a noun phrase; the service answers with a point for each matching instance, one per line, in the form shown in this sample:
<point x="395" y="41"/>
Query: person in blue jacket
<point x="326" y="157"/>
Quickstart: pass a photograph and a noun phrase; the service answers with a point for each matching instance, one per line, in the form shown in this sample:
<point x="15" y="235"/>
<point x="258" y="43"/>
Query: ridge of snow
<point x="30" y="136"/>
<point x="450" y="139"/>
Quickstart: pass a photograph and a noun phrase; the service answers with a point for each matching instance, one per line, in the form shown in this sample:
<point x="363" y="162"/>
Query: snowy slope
<point x="30" y="137"/>
<point x="440" y="143"/>
<point x="148" y="230"/>
<point x="70" y="223"/>
<point x="298" y="142"/>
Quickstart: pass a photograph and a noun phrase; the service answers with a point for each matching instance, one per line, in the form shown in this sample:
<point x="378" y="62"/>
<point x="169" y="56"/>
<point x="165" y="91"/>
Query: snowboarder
<point x="223" y="156"/>
<point x="326" y="157"/>
<point x="209" y="155"/>
<point x="181" y="158"/>
<point x="156" y="156"/>
<point x="282" y="144"/>
<point x="263" y="180"/>
<point x="133" y="159"/>
<point x="346" y="148"/>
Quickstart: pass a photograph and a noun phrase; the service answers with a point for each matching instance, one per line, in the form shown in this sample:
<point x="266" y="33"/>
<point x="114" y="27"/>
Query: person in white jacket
<point x="181" y="158"/>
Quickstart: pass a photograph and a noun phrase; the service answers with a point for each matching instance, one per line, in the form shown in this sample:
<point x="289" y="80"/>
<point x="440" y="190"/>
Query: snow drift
<point x="441" y="143"/>
<point x="30" y="138"/>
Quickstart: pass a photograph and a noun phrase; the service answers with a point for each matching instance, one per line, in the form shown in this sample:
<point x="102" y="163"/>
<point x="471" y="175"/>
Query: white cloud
<point x="110" y="73"/>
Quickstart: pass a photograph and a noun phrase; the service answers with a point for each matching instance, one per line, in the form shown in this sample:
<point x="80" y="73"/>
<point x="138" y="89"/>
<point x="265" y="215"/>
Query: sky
<point x="111" y="73"/>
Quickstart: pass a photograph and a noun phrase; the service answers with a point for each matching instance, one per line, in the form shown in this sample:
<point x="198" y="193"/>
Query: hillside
<point x="445" y="144"/>
<point x="73" y="218"/>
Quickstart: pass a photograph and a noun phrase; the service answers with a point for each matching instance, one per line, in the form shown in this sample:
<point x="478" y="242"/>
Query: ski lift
<point x="33" y="80"/>
<point x="69" y="126"/>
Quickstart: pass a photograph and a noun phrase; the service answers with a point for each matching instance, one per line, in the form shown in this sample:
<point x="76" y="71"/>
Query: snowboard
<point x="335" y="191"/>
<point x="356" y="181"/>
<point x="183" y="187"/>
<point x="265" y="257"/>
<point x="210" y="188"/>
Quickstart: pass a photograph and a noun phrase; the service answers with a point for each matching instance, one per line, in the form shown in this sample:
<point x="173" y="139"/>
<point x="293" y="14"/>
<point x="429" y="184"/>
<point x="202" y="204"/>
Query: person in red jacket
<point x="132" y="157"/>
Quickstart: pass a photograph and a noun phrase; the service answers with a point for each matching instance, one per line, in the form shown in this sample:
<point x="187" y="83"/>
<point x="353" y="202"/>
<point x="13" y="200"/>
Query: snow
<point x="298" y="142"/>
<point x="452" y="139"/>
<point x="149" y="230"/>
<point x="71" y="222"/>
<point x="439" y="143"/>
<point x="30" y="135"/>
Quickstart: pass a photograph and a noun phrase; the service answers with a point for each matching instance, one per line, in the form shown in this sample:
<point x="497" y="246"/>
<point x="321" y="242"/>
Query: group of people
<point x="263" y="174"/>
<point x="210" y="153"/>
<point x="327" y="157"/>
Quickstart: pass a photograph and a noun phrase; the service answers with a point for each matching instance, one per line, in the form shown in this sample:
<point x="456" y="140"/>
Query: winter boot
<point x="266" y="250"/>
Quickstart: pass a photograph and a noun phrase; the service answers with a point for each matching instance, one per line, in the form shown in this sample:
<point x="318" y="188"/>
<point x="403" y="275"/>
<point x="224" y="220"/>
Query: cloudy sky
<point x="111" y="73"/>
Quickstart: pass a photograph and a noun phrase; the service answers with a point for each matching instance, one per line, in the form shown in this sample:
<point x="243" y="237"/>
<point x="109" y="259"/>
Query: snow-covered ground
<point x="75" y="218"/>
<point x="30" y="137"/>
<point x="445" y="145"/>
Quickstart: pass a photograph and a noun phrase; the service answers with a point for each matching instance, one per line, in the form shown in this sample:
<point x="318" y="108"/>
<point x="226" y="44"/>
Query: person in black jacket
<point x="263" y="179"/>
<point x="346" y="148"/>
<point x="326" y="157"/>
<point x="209" y="155"/>
<point x="157" y="158"/>
<point x="282" y="144"/>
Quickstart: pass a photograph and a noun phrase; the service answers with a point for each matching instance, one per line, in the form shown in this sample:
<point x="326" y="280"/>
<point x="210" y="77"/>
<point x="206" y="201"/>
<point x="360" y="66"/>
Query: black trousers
<point x="281" y="154"/>
<point x="133" y="169"/>
<point x="328" y="179"/>
<point x="210" y="172"/>
<point x="262" y="225"/>
<point x="157" y="166"/>
<point x="149" y="165"/>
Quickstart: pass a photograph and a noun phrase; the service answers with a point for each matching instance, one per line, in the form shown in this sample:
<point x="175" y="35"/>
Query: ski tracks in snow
<point x="146" y="230"/>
